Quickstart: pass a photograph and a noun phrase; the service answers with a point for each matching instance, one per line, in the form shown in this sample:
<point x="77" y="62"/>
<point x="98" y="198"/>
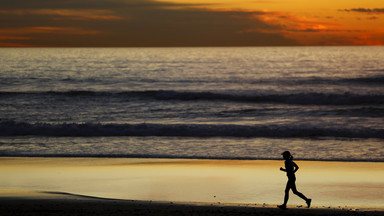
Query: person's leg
<point x="294" y="190"/>
<point x="286" y="195"/>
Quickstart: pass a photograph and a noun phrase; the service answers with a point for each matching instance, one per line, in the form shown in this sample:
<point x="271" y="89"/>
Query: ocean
<point x="320" y="103"/>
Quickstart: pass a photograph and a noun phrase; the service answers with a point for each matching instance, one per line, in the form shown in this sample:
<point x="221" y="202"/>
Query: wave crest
<point x="295" y="98"/>
<point x="11" y="128"/>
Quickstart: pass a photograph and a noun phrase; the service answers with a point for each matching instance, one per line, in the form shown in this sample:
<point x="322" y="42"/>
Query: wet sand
<point x="184" y="187"/>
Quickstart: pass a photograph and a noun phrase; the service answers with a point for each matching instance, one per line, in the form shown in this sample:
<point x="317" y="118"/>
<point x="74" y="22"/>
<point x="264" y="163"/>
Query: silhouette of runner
<point x="290" y="168"/>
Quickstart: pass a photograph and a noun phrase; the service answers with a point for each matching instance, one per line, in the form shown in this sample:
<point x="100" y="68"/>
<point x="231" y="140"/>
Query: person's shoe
<point x="284" y="207"/>
<point x="309" y="202"/>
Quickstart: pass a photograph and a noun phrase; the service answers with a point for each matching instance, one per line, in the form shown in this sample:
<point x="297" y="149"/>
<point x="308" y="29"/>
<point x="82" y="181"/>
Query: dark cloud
<point x="263" y="1"/>
<point x="76" y="4"/>
<point x="132" y="23"/>
<point x="373" y="18"/>
<point x="366" y="10"/>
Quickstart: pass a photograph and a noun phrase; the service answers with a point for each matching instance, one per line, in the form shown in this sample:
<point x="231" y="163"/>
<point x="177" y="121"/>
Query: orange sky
<point x="129" y="23"/>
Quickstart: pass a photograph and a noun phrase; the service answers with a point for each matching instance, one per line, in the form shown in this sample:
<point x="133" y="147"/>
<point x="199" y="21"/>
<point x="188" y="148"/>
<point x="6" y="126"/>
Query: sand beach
<point x="121" y="186"/>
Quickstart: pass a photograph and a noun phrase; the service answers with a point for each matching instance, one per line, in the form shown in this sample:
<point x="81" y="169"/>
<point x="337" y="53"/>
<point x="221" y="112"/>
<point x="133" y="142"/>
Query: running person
<point x="290" y="168"/>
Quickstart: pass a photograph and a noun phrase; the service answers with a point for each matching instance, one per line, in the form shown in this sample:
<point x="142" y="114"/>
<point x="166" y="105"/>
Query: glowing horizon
<point x="145" y="23"/>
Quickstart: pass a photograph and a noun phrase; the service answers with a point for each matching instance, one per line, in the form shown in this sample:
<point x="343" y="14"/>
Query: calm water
<point x="321" y="103"/>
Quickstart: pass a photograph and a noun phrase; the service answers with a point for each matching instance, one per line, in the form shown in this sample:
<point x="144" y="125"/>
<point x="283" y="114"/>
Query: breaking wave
<point x="296" y="98"/>
<point x="11" y="128"/>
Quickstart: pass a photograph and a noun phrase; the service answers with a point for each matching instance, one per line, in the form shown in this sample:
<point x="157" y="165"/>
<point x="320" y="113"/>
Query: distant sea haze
<point x="321" y="103"/>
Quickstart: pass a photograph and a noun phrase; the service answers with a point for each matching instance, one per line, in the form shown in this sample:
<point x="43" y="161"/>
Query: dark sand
<point x="72" y="205"/>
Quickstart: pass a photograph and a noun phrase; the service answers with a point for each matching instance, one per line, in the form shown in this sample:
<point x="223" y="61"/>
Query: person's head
<point x="287" y="155"/>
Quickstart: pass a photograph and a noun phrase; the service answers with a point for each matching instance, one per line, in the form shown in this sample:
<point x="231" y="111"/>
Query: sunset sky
<point x="146" y="23"/>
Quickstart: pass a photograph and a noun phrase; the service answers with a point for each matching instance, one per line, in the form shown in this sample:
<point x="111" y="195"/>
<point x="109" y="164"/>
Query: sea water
<point x="320" y="103"/>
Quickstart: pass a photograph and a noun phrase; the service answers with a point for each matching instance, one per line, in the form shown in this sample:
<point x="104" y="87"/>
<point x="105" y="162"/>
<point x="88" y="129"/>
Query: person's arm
<point x="295" y="167"/>
<point x="282" y="169"/>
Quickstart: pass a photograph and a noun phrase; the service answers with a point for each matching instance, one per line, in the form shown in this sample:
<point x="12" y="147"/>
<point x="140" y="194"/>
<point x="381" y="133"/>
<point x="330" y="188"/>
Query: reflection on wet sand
<point x="229" y="181"/>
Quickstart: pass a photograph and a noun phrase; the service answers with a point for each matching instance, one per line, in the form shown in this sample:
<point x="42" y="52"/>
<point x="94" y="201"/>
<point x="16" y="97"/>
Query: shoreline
<point x="101" y="156"/>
